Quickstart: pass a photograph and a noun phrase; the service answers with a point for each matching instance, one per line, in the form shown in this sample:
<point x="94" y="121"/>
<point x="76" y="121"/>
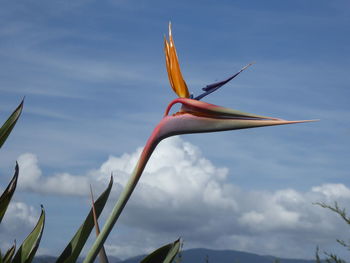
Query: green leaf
<point x="6" y="196"/>
<point x="27" y="250"/>
<point x="7" y="127"/>
<point x="9" y="254"/>
<point x="165" y="254"/>
<point x="173" y="252"/>
<point x="71" y="253"/>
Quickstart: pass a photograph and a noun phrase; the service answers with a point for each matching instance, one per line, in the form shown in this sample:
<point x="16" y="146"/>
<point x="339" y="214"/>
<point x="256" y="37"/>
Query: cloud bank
<point x="181" y="193"/>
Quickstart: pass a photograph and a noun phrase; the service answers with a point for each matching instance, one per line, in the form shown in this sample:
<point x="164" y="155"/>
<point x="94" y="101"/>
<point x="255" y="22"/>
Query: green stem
<point x="124" y="197"/>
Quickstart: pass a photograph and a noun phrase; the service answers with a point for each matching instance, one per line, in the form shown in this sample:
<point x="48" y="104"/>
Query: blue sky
<point x="94" y="80"/>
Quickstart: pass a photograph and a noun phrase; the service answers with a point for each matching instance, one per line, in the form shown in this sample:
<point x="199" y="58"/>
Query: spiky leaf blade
<point x="72" y="251"/>
<point x="27" y="250"/>
<point x="164" y="254"/>
<point x="9" y="254"/>
<point x="7" y="127"/>
<point x="173" y="252"/>
<point x="6" y="196"/>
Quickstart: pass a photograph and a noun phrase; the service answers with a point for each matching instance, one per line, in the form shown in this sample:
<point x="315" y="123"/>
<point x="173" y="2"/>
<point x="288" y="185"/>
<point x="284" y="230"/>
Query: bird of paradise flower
<point x="195" y="116"/>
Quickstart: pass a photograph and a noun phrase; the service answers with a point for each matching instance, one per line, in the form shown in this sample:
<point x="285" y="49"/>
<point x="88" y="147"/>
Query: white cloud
<point x="31" y="178"/>
<point x="181" y="193"/>
<point x="29" y="170"/>
<point x="332" y="191"/>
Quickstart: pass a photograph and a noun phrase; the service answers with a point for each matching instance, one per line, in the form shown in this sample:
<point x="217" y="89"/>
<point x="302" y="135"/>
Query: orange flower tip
<point x="169" y="28"/>
<point x="166" y="43"/>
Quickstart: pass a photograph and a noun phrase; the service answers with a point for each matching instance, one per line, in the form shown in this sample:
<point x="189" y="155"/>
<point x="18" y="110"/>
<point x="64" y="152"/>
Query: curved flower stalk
<point x="194" y="117"/>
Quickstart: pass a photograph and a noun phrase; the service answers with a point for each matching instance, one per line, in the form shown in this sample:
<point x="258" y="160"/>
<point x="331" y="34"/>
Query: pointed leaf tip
<point x="164" y="254"/>
<point x="9" y="254"/>
<point x="10" y="123"/>
<point x="27" y="250"/>
<point x="6" y="196"/>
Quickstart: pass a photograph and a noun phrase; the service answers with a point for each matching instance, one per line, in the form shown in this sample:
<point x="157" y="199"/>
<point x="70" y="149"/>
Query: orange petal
<point x="167" y="60"/>
<point x="172" y="63"/>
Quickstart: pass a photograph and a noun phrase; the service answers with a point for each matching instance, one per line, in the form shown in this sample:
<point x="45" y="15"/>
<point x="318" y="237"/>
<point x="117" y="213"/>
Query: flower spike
<point x="173" y="68"/>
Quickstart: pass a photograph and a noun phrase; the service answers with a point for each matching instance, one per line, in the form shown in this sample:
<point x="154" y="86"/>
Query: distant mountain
<point x="200" y="255"/>
<point x="44" y="259"/>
